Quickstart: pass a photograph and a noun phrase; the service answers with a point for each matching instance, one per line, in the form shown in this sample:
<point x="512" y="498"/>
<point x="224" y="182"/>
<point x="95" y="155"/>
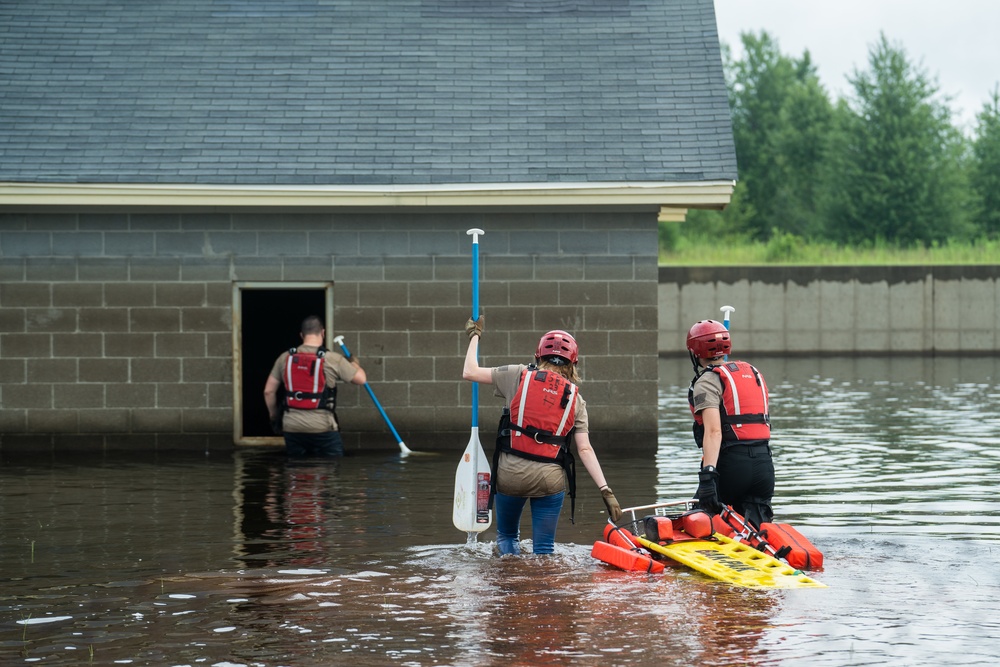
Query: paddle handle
<point x="726" y="312"/>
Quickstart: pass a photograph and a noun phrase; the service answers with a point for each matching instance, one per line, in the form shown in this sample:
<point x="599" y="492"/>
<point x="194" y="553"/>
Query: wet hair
<point x="561" y="366"/>
<point x="312" y="326"/>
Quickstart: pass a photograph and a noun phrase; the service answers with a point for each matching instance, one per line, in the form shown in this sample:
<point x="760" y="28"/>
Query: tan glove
<point x="614" y="509"/>
<point x="475" y="327"/>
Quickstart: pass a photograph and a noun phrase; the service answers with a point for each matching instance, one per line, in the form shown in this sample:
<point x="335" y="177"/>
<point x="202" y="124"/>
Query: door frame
<point x="238" y="288"/>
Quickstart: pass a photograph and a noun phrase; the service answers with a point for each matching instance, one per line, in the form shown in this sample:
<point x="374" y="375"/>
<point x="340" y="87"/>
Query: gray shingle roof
<point x="362" y="92"/>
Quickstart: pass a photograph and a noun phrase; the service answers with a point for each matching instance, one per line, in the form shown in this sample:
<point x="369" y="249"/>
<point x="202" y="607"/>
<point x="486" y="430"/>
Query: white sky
<point x="955" y="42"/>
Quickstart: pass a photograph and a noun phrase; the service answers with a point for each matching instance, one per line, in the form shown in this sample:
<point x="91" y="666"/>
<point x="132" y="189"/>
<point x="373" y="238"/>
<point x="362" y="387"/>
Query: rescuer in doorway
<point x="729" y="401"/>
<point x="309" y="374"/>
<point x="533" y="461"/>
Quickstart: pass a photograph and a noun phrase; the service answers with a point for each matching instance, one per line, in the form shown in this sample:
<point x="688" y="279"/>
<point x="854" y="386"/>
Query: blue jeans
<point x="544" y="520"/>
<point x="314" y="444"/>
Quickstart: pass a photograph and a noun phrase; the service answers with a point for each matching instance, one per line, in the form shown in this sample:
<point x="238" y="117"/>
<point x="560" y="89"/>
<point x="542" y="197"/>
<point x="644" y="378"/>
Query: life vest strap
<point x="750" y="444"/>
<point x="746" y="419"/>
<point x="302" y="396"/>
<point x="538" y="435"/>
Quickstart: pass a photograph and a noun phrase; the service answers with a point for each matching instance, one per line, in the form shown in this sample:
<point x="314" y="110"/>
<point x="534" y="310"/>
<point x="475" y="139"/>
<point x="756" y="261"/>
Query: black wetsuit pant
<point x="746" y="481"/>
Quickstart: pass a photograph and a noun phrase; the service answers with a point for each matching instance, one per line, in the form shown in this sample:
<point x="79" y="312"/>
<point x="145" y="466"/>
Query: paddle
<point x="745" y="532"/>
<point x="472" y="478"/>
<point x="339" y="340"/>
<point x="726" y="310"/>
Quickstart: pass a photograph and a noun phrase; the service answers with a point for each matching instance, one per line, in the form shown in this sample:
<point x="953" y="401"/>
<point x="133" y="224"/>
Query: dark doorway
<point x="270" y="320"/>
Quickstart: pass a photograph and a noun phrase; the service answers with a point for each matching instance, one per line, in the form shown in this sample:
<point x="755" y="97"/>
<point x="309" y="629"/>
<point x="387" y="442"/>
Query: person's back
<point x="541" y="404"/>
<point x="309" y="374"/>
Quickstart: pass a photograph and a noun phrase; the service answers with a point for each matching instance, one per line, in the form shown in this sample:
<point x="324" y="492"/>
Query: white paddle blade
<point x="472" y="489"/>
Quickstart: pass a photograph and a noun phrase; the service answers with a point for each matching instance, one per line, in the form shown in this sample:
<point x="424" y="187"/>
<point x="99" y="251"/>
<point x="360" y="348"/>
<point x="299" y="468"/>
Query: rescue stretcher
<point x="649" y="538"/>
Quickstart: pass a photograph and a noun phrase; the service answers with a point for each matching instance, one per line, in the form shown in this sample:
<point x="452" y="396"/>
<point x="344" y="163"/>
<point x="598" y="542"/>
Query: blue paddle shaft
<point x="475" y="316"/>
<point x="347" y="353"/>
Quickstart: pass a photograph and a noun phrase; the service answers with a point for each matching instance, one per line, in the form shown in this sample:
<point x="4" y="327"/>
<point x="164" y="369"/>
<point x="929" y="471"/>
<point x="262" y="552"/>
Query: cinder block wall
<point x="116" y="327"/>
<point x="837" y="309"/>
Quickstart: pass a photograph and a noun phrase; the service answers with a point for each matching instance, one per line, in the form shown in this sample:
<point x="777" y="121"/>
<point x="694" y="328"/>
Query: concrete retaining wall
<point x="837" y="309"/>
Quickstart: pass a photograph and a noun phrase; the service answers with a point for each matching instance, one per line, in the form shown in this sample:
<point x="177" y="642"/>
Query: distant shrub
<point x="783" y="247"/>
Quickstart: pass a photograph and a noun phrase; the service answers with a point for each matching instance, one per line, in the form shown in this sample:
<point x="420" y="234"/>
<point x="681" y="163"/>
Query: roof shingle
<point x="345" y="92"/>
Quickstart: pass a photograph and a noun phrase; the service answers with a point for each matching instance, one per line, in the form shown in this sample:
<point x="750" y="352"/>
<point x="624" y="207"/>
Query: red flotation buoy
<point x="622" y="551"/>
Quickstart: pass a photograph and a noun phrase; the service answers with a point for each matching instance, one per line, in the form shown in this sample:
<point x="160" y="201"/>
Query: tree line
<point x="884" y="165"/>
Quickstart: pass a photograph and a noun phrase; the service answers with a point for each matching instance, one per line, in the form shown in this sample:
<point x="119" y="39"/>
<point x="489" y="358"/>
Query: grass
<point x="793" y="251"/>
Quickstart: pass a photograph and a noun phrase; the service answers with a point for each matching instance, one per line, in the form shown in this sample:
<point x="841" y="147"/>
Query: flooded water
<point x="890" y="466"/>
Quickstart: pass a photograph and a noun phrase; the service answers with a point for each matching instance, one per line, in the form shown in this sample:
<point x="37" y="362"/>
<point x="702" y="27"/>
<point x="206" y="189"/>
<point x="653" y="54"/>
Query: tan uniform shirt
<point x="517" y="476"/>
<point x="335" y="367"/>
<point x="707" y="391"/>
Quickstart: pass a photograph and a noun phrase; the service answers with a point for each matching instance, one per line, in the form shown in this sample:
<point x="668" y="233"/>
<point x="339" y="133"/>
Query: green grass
<point x="792" y="251"/>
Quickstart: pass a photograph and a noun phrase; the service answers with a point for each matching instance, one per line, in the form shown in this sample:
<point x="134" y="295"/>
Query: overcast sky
<point x="955" y="42"/>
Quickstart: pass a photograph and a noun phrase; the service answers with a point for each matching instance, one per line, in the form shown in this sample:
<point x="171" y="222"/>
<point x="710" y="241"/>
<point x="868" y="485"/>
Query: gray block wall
<point x="116" y="327"/>
<point x="837" y="310"/>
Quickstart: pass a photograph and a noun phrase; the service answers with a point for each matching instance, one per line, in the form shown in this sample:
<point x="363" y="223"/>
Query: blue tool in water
<point x="339" y="340"/>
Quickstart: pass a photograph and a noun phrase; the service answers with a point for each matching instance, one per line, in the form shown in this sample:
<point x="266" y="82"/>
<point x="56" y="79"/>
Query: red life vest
<point x="542" y="416"/>
<point x="305" y="381"/>
<point x="539" y="425"/>
<point x="744" y="409"/>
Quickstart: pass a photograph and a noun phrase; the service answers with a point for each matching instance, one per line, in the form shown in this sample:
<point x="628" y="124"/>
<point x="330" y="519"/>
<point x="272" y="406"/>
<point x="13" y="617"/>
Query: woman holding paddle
<point x="533" y="461"/>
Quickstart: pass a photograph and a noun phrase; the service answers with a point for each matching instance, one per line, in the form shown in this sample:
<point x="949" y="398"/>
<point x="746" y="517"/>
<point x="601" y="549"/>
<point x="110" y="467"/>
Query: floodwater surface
<point x="890" y="466"/>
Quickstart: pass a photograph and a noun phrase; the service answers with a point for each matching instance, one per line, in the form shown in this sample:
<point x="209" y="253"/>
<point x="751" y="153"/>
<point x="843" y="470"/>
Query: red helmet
<point x="708" y="339"/>
<point x="558" y="343"/>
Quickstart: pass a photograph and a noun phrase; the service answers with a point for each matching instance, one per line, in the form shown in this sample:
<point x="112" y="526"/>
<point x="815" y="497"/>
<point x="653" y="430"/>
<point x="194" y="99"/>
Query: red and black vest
<point x="744" y="409"/>
<point x="539" y="424"/>
<point x="541" y="417"/>
<point x="305" y="382"/>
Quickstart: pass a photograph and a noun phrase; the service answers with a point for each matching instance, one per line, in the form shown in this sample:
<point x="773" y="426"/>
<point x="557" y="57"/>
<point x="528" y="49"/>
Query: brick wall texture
<point x="116" y="328"/>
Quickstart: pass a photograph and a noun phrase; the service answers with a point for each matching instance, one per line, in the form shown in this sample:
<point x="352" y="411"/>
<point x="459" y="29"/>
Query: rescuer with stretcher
<point x="732" y="426"/>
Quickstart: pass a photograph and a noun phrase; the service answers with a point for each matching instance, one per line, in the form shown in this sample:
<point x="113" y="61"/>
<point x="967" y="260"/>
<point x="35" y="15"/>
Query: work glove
<point x="614" y="509"/>
<point x="475" y="327"/>
<point x="276" y="426"/>
<point x="708" y="490"/>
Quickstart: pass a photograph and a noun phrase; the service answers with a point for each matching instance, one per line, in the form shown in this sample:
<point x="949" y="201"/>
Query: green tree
<point x="985" y="171"/>
<point x="781" y="123"/>
<point x="711" y="227"/>
<point x="895" y="173"/>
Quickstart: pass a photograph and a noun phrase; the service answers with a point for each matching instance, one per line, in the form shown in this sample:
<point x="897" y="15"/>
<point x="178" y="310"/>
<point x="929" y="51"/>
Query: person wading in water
<point x="732" y="426"/>
<point x="543" y="415"/>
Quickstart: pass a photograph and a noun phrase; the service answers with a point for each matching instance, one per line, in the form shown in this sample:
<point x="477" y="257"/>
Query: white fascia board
<point x="701" y="194"/>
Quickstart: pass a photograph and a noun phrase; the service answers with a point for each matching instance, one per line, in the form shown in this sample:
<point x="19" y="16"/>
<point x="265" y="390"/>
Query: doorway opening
<point x="266" y="322"/>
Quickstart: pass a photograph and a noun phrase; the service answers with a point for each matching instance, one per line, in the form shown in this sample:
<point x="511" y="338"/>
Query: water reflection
<point x="890" y="465"/>
<point x="285" y="510"/>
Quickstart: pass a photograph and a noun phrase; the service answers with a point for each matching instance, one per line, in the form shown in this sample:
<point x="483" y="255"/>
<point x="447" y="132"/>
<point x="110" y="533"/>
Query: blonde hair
<point x="568" y="371"/>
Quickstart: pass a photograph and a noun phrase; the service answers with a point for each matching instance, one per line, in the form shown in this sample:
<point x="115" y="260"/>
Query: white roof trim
<point x="702" y="194"/>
